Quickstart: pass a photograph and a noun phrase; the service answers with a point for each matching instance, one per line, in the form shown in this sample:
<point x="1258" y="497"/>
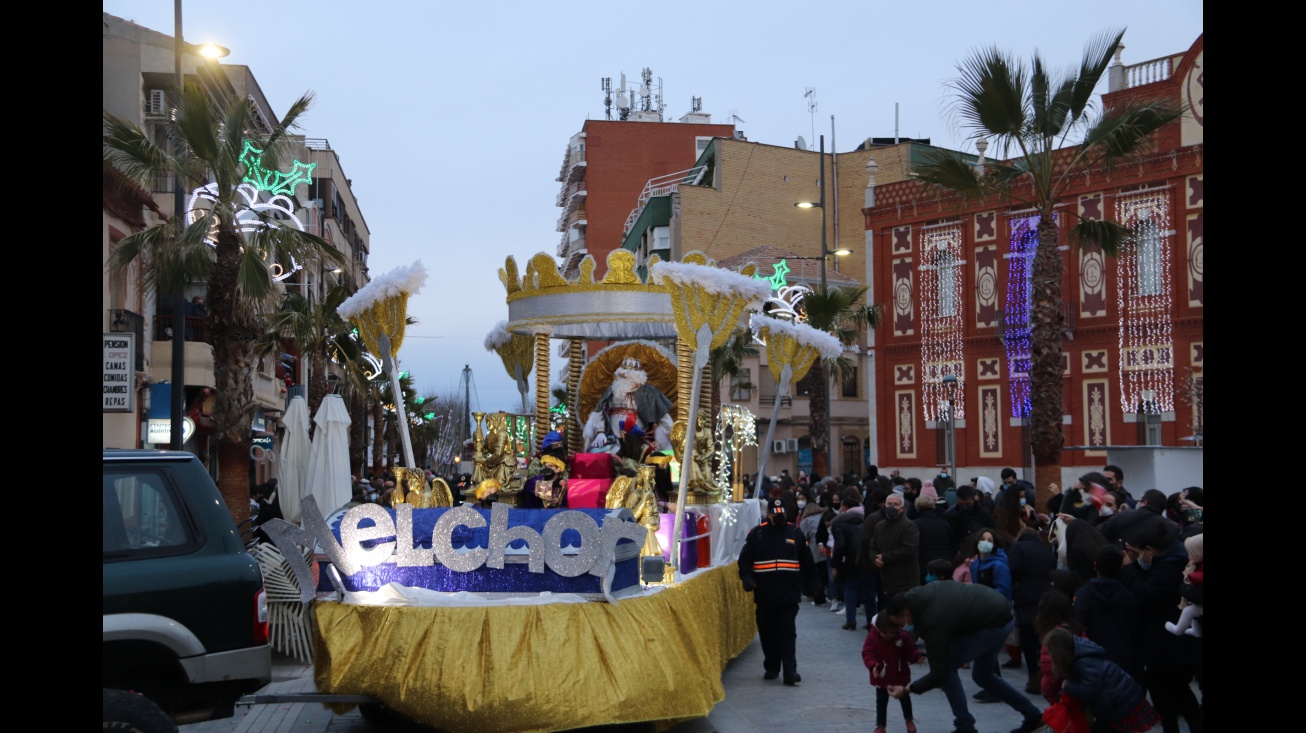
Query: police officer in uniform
<point x="776" y="566"/>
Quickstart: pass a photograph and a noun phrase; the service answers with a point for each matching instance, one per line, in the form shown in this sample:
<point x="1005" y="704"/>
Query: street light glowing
<point x="843" y="252"/>
<point x="808" y="205"/>
<point x="212" y="50"/>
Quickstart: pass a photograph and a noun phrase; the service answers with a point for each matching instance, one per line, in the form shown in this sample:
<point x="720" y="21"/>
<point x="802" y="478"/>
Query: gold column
<point x="541" y="386"/>
<point x="684" y="377"/>
<point x="575" y="360"/>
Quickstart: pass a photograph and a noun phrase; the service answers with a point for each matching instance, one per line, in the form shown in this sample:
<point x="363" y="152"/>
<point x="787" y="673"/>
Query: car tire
<point x="128" y="712"/>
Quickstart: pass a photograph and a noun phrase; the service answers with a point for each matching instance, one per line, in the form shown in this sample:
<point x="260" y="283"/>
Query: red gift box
<point x="592" y="465"/>
<point x="587" y="493"/>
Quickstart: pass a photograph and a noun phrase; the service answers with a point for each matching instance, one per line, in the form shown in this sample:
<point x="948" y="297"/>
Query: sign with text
<point x="119" y="372"/>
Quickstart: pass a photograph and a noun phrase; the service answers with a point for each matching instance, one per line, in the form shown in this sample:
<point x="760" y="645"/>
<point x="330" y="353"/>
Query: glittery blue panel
<point x="513" y="578"/>
<point x="424" y="524"/>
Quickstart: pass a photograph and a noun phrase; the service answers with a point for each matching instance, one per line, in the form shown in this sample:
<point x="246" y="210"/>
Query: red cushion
<point x="592" y="465"/>
<point x="587" y="493"/>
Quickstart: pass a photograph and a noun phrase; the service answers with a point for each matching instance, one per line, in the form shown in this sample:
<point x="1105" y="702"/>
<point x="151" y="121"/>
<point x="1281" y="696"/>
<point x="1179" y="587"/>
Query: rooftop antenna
<point x="736" y="118"/>
<point x="623" y="103"/>
<point x="800" y="143"/>
<point x="695" y="104"/>
<point x="811" y="108"/>
<point x="661" y="103"/>
<point x="605" y="84"/>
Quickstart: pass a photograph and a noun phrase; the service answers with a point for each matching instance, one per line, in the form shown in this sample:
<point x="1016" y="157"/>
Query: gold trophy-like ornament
<point x="379" y="310"/>
<point x="707" y="303"/>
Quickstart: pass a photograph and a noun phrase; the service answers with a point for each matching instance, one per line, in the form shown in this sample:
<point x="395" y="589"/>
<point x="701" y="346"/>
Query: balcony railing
<point x="660" y="186"/>
<point x="125" y="321"/>
<point x="198" y="328"/>
<point x="1148" y="72"/>
<point x="769" y="400"/>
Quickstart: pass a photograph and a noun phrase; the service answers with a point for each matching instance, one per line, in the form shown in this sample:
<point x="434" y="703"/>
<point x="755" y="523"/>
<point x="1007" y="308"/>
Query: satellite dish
<point x="622" y="102"/>
<point x="800" y="143"/>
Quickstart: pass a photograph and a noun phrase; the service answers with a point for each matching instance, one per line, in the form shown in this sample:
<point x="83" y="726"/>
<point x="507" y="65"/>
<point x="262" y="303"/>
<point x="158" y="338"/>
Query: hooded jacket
<point x="846" y="528"/>
<point x="1109" y="614"/>
<point x="1101" y="685"/>
<point x="992" y="570"/>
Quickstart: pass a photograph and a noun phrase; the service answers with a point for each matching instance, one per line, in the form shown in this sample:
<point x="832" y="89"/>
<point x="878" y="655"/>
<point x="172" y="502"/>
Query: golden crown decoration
<point x="631" y="362"/>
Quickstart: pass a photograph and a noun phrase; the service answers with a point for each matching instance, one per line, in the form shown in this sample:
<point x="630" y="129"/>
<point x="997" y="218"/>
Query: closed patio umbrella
<point x="328" y="460"/>
<point x="293" y="466"/>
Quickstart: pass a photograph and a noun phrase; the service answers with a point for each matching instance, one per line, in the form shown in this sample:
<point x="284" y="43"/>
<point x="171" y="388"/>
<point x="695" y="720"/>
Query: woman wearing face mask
<point x="834" y="586"/>
<point x="809" y="524"/>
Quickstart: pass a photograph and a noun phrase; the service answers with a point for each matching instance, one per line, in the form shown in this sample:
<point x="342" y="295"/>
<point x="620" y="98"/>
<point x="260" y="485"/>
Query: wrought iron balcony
<point x="125" y="321"/>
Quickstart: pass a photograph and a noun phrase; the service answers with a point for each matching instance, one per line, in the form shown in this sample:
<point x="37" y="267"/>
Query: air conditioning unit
<point x="777" y="446"/>
<point x="158" y="103"/>
<point x="791" y="445"/>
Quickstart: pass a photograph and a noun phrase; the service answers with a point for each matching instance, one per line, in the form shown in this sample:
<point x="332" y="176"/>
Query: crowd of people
<point x="1094" y="596"/>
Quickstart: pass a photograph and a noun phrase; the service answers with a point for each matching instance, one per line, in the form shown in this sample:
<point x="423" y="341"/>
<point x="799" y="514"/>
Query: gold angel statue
<point x="497" y="458"/>
<point x="700" y="478"/>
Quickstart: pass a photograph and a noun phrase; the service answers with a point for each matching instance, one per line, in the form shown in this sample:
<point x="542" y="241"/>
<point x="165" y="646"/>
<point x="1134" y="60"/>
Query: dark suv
<point x="185" y="611"/>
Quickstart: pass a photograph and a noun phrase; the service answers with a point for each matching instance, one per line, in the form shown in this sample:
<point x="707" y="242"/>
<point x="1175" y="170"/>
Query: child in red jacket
<point x="887" y="652"/>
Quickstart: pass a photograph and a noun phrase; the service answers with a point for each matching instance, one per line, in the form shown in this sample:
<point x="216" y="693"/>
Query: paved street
<point x="834" y="696"/>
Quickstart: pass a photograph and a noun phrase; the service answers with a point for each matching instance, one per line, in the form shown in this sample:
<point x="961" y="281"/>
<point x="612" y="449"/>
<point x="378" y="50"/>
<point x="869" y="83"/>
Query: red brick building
<point x="605" y="168"/>
<point x="950" y="275"/>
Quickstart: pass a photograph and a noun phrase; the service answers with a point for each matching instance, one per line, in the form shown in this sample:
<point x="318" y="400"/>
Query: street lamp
<point x="950" y="384"/>
<point x="825" y="252"/>
<point x="209" y="51"/>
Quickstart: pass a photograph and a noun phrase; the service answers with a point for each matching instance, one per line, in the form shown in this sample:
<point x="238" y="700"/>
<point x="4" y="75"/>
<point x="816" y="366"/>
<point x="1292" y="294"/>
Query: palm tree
<point x="228" y="245"/>
<point x="840" y="312"/>
<point x="317" y="331"/>
<point x="1048" y="125"/>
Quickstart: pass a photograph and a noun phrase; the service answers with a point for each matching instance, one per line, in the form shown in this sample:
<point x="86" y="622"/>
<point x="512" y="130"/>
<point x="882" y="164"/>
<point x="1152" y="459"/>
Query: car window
<point x="142" y="515"/>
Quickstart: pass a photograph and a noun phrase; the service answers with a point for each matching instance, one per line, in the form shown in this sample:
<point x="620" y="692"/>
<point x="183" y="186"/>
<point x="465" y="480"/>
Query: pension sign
<point x="119" y="370"/>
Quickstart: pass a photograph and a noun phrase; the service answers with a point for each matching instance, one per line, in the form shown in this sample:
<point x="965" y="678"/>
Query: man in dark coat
<point x="935" y="536"/>
<point x="894" y="549"/>
<point x="1031" y="563"/>
<point x="1154" y="575"/>
<point x="1109" y="613"/>
<point x="968" y="516"/>
<point x="960" y="623"/>
<point x="776" y="567"/>
<point x="1138" y="522"/>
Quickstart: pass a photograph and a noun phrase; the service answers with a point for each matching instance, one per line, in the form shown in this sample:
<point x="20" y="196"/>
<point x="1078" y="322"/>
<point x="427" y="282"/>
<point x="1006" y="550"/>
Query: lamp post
<point x="178" y="378"/>
<point x="950" y="384"/>
<point x="825" y="252"/>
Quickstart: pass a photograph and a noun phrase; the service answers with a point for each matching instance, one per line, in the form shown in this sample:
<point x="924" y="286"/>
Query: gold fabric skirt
<point x="505" y="669"/>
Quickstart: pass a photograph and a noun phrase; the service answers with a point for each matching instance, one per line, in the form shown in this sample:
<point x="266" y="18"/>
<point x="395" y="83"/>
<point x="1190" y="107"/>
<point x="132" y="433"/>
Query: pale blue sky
<point x="452" y="118"/>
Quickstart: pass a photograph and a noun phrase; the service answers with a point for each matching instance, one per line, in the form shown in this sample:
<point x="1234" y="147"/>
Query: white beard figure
<point x="623" y="414"/>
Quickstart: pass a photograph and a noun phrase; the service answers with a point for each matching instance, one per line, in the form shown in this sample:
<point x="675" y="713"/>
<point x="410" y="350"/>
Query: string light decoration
<point x="257" y="214"/>
<point x="1144" y="296"/>
<point x="941" y="318"/>
<point x="735" y="430"/>
<point x="1015" y="317"/>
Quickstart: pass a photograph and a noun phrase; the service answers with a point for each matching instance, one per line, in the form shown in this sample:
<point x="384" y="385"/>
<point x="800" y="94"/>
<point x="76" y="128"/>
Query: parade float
<point x="606" y="606"/>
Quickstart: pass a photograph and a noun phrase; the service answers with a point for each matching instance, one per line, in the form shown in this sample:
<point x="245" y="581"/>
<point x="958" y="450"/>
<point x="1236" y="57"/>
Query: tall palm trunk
<point x="816" y="408"/>
<point x="318" y="384"/>
<point x="357" y="434"/>
<point x="233" y="333"/>
<point x="1045" y="358"/>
